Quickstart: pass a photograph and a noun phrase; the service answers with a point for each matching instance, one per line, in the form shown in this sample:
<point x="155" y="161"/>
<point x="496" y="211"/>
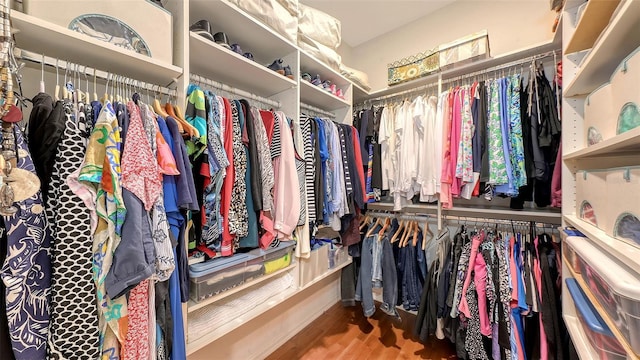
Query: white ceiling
<point x="363" y="20"/>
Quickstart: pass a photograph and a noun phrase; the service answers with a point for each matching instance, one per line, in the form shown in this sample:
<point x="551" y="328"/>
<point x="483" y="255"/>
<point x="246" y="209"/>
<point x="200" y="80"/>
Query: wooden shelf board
<point x="315" y="96"/>
<point x="626" y="253"/>
<point x="626" y="142"/>
<point x="193" y="306"/>
<point x="218" y="63"/>
<point x="314" y="66"/>
<point x="55" y="41"/>
<point x="253" y="36"/>
<point x="617" y="41"/>
<point x="605" y="316"/>
<point x="595" y="18"/>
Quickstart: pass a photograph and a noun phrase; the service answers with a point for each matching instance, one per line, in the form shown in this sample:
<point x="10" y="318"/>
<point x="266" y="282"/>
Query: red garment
<point x="269" y="120"/>
<point x="137" y="343"/>
<point x="480" y="279"/>
<point x="359" y="164"/>
<point x="227" y="185"/>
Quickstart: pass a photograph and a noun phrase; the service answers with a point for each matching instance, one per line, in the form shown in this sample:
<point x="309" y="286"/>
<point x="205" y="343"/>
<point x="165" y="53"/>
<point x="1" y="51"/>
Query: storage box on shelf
<point x="570" y="254"/>
<point x="623" y="199"/>
<point x="591" y="196"/>
<point x="218" y="275"/>
<point x="114" y="22"/>
<point x="598" y="116"/>
<point x="625" y="94"/>
<point x="43" y="37"/>
<point x="596" y="330"/>
<point x="616" y="289"/>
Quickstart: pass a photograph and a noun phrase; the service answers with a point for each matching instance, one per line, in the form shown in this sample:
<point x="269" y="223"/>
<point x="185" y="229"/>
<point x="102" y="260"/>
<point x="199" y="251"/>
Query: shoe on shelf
<point x="276" y="66"/>
<point x="202" y="28"/>
<point x="333" y="89"/>
<point x="249" y="56"/>
<point x="306" y="77"/>
<point x="316" y="81"/>
<point x="326" y="85"/>
<point x="287" y="72"/>
<point x="340" y="94"/>
<point x="221" y="39"/>
<point x="236" y="48"/>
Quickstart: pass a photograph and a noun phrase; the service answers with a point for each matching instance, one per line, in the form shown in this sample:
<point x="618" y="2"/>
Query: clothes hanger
<point x="407" y="232"/>
<point x="370" y="232"/>
<point x="56" y="94"/>
<point x="95" y="91"/>
<point x="394" y="238"/>
<point x="160" y="110"/>
<point x="42" y="87"/>
<point x="105" y="98"/>
<point x="64" y="88"/>
<point x="387" y="222"/>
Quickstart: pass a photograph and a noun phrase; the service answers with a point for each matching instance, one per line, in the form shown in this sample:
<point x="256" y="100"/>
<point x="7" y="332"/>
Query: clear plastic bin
<point x="571" y="255"/>
<point x="218" y="275"/>
<point x="597" y="331"/>
<point x="276" y="258"/>
<point x="616" y="288"/>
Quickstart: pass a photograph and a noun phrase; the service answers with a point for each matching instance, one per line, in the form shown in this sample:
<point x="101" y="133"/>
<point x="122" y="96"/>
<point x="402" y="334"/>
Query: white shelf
<point x="579" y="338"/>
<point x="594" y="19"/>
<point x="258" y="310"/>
<point x="618" y="40"/>
<point x="55" y="41"/>
<point x="229" y="326"/>
<point x="218" y="63"/>
<point x="328" y="273"/>
<point x="313" y="66"/>
<point x="520" y="54"/>
<point x="490" y="212"/>
<point x="193" y="306"/>
<point x="628" y="142"/>
<point x="628" y="254"/>
<point x="318" y="97"/>
<point x="359" y="94"/>
<point x="253" y="36"/>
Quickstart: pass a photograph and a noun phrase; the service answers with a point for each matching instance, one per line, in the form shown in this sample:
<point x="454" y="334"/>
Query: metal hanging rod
<point x="406" y="92"/>
<point x="317" y="111"/>
<point x="443" y="76"/>
<point x="91" y="72"/>
<point x="232" y="90"/>
<point x="493" y="69"/>
<point x="472" y="219"/>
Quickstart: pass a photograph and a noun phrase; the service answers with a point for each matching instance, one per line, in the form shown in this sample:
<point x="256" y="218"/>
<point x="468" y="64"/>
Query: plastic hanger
<point x="56" y="94"/>
<point x="106" y="98"/>
<point x="42" y="87"/>
<point x="95" y="92"/>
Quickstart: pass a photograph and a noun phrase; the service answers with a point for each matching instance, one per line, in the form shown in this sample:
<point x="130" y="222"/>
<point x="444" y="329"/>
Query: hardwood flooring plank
<point x="345" y="334"/>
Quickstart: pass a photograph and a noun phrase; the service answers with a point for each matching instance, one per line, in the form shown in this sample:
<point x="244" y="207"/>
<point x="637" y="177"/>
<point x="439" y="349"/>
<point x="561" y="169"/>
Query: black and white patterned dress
<point x="73" y="332"/>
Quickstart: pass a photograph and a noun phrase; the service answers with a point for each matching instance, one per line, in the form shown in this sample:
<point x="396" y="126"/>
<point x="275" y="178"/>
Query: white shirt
<point x="387" y="138"/>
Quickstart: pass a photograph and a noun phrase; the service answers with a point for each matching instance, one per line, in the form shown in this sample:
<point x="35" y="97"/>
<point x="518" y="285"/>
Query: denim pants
<point x="364" y="286"/>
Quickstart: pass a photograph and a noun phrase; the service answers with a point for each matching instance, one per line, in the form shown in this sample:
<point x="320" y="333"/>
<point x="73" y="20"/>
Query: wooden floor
<point x="344" y="333"/>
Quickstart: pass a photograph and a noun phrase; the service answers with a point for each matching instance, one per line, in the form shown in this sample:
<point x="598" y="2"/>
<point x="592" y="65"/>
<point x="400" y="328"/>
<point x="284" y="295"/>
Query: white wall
<point x="512" y="25"/>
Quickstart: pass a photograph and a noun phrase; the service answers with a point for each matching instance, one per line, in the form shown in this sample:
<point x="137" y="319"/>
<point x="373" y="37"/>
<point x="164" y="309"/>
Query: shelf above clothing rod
<point x="317" y="110"/>
<point x="232" y="90"/>
<point x="518" y="55"/>
<point x="91" y="72"/>
<point x="541" y="216"/>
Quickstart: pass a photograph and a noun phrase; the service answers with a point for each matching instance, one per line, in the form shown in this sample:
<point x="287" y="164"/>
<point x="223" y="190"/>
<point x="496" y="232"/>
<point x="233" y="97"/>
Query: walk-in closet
<point x="313" y="179"/>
